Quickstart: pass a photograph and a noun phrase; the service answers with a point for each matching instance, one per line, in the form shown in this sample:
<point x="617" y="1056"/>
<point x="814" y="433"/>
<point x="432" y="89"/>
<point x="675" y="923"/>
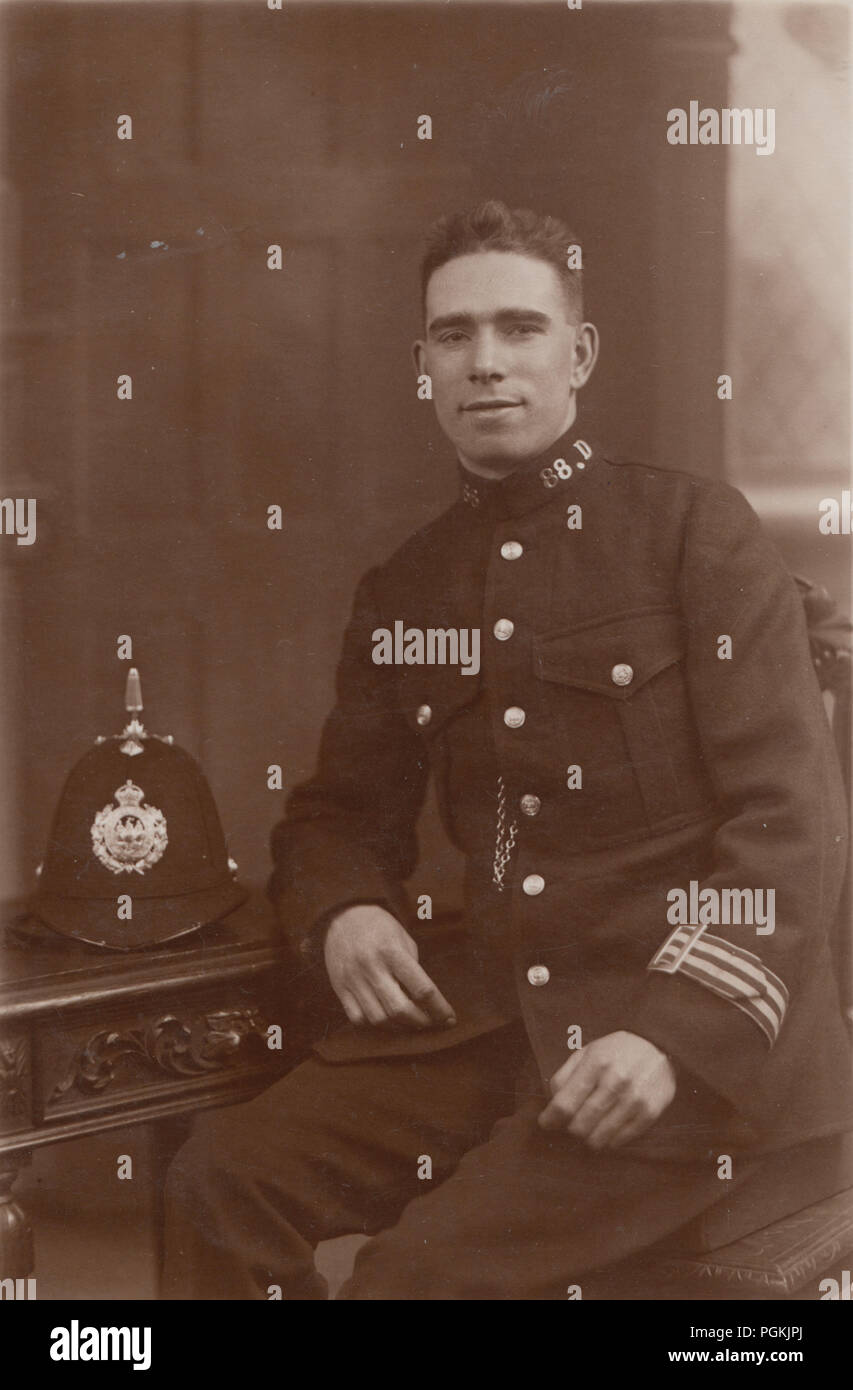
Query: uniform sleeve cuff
<point x="314" y="893"/>
<point x="707" y="1035"/>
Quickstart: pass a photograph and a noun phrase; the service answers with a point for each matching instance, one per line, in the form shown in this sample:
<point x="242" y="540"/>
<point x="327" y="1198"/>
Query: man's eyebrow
<point x="502" y="316"/>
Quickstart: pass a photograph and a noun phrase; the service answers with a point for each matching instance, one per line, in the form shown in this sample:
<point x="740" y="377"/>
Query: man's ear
<point x="419" y="356"/>
<point x="586" y="354"/>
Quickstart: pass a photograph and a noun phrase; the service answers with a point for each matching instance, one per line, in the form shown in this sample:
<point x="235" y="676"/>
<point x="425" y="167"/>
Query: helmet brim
<point x="154" y="920"/>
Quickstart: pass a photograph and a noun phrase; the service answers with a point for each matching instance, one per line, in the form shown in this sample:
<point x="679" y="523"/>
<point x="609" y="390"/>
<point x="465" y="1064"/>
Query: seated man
<point x="636" y="763"/>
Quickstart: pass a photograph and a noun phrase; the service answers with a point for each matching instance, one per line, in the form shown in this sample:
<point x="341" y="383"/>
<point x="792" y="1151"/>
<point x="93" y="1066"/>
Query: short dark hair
<point x="492" y="226"/>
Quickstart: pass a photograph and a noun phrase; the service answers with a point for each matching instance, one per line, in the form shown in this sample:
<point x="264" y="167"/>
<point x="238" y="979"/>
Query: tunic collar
<point x="533" y="483"/>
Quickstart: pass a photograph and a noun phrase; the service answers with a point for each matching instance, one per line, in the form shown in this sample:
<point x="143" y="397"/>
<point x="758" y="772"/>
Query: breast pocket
<point x="617" y="695"/>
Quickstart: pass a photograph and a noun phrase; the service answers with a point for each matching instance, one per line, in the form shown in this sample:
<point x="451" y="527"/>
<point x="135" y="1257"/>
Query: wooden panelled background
<point x="253" y="387"/>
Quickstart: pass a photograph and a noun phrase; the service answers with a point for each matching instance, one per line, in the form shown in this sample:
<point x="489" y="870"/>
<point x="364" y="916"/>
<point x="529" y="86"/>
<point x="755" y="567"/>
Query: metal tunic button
<point x="622" y="674"/>
<point x="533" y="884"/>
<point x="530" y="804"/>
<point x="514" y="717"/>
<point x="539" y="974"/>
<point x="511" y="550"/>
<point x="424" y="714"/>
<point x="503" y="629"/>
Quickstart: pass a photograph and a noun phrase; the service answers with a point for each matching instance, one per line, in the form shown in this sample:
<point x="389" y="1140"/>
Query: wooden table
<point x="92" y="1039"/>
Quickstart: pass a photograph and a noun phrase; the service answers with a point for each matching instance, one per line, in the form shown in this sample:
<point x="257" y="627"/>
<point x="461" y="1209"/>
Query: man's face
<point x="504" y="359"/>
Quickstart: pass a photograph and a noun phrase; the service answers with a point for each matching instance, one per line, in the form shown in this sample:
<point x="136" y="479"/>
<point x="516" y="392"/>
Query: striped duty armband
<point x="727" y="970"/>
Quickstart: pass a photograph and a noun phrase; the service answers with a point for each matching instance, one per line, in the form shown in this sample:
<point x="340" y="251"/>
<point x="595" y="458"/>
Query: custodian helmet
<point x="136" y="819"/>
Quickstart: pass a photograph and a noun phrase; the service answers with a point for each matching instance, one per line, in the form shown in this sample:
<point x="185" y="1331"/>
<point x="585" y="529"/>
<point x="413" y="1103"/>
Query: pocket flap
<point x="612" y="656"/>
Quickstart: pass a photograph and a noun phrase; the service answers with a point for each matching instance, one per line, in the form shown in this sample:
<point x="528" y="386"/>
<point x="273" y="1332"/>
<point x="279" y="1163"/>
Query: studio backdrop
<point x="256" y="387"/>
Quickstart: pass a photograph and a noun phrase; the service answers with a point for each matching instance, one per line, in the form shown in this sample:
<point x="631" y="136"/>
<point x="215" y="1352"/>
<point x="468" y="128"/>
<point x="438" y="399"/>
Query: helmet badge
<point x="130" y="837"/>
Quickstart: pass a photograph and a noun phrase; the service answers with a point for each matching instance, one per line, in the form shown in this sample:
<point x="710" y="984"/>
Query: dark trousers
<point x="510" y="1212"/>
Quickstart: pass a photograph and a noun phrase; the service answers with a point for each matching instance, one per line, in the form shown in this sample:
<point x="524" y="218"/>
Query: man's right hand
<point x="372" y="964"/>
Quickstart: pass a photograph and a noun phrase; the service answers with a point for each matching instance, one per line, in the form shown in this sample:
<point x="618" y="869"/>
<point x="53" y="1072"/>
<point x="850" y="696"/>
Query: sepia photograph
<point x="425" y="586"/>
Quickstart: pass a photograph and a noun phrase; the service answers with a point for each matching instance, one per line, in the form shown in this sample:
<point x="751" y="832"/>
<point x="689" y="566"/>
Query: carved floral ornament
<point x="14" y="1070"/>
<point x="207" y="1044"/>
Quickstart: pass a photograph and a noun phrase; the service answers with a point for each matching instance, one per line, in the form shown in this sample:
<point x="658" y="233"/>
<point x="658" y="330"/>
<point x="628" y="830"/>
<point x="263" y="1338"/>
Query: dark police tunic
<point x="604" y="755"/>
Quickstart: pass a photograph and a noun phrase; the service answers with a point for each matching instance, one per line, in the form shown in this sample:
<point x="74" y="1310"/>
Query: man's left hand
<point x="611" y="1091"/>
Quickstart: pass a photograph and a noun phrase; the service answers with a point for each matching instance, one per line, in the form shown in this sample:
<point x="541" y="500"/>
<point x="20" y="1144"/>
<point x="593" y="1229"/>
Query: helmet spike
<point x="133" y="692"/>
<point x="133" y="731"/>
